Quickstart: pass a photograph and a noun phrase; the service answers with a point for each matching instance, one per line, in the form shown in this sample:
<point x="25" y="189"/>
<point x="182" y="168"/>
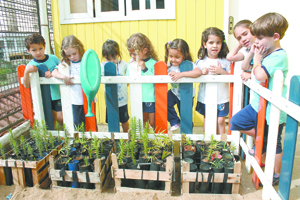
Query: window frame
<point x="169" y="12"/>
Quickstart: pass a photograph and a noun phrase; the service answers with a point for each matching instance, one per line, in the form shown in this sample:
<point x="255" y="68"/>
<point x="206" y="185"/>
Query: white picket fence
<point x="278" y="103"/>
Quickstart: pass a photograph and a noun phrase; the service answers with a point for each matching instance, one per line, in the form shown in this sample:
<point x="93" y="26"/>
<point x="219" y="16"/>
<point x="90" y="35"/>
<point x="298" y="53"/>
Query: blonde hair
<point x="139" y="41"/>
<point x="71" y="41"/>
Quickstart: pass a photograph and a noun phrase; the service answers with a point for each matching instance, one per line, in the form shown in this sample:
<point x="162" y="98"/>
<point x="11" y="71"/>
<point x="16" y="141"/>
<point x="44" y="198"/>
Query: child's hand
<point x="216" y="69"/>
<point x="142" y="65"/>
<point x="31" y="68"/>
<point x="204" y="71"/>
<point x="260" y="53"/>
<point x="67" y="80"/>
<point x="245" y="76"/>
<point x="175" y="76"/>
<point x="48" y="74"/>
<point x="252" y="49"/>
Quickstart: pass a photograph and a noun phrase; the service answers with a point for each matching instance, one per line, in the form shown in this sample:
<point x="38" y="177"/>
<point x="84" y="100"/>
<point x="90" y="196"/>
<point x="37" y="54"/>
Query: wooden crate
<point x="100" y="177"/>
<point x="39" y="170"/>
<point x="187" y="176"/>
<point x="166" y="176"/>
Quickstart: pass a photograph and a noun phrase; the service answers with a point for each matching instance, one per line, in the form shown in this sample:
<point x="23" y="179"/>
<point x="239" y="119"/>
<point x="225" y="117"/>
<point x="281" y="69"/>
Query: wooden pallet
<point x="39" y="170"/>
<point x="187" y="176"/>
<point x="166" y="176"/>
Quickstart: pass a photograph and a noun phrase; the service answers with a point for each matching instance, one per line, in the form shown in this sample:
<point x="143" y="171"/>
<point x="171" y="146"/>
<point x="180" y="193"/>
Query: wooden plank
<point x="114" y="168"/>
<point x="21" y="177"/>
<point x="290" y="142"/>
<point x="218" y="178"/>
<point x="35" y="179"/>
<point x="93" y="176"/>
<point x="111" y="98"/>
<point x="137" y="190"/>
<point x="2" y="176"/>
<point x="97" y="165"/>
<point x="161" y="108"/>
<point x="169" y="170"/>
<point x="260" y="133"/>
<point x="237" y="170"/>
<point x="43" y="173"/>
<point x="185" y="184"/>
<point x="186" y="101"/>
<point x="45" y="183"/>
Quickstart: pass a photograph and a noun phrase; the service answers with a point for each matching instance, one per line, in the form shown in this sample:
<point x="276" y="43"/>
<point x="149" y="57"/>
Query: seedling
<point x="30" y="151"/>
<point x="165" y="154"/>
<point x="58" y="128"/>
<point x="86" y="162"/>
<point x="51" y="139"/>
<point x="2" y="151"/>
<point x="216" y="162"/>
<point x="122" y="151"/>
<point x="22" y="143"/>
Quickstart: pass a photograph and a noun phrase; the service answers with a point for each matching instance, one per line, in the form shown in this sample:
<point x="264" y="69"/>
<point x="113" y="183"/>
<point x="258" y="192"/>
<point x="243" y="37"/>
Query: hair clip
<point x="110" y="40"/>
<point x="224" y="41"/>
<point x="169" y="42"/>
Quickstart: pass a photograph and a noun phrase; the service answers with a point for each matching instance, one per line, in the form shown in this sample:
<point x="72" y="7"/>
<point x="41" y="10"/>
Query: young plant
<point x="145" y="138"/>
<point x="16" y="148"/>
<point x="127" y="147"/>
<point x="216" y="162"/>
<point x="51" y="139"/>
<point x="122" y="151"/>
<point x="30" y="151"/>
<point x="22" y="143"/>
<point x="66" y="135"/>
<point x="188" y="141"/>
<point x="91" y="135"/>
<point x="95" y="145"/>
<point x="86" y="162"/>
<point x="232" y="147"/>
<point x="2" y="151"/>
<point x="58" y="128"/>
<point x="203" y="137"/>
<point x="90" y="150"/>
<point x="165" y="154"/>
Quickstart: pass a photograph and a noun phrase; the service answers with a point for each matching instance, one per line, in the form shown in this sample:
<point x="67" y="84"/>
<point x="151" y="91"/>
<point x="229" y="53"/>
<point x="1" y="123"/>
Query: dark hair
<point x="71" y="41"/>
<point x="34" y="39"/>
<point x="245" y="23"/>
<point x="180" y="45"/>
<point x="139" y="41"/>
<point x="217" y="32"/>
<point x="269" y="24"/>
<point x="110" y="48"/>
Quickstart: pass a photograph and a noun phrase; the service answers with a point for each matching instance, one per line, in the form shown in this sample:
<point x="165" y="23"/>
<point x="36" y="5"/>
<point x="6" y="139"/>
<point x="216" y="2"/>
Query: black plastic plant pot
<point x="138" y="183"/>
<point x="189" y="160"/>
<point x="144" y="160"/>
<point x="8" y="175"/>
<point x="188" y="154"/>
<point x="237" y="158"/>
<point x="155" y="166"/>
<point x="86" y="168"/>
<point x="28" y="177"/>
<point x="227" y="156"/>
<point x="206" y="167"/>
<point x="193" y="168"/>
<point x="217" y="188"/>
<point x="128" y="159"/>
<point x="228" y="168"/>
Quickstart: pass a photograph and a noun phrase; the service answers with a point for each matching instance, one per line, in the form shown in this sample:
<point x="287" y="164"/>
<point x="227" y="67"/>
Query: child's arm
<point x="245" y="76"/>
<point x="67" y="80"/>
<point x="234" y="55"/>
<point x="246" y="62"/>
<point x="259" y="73"/>
<point x="196" y="72"/>
<point x="29" y="69"/>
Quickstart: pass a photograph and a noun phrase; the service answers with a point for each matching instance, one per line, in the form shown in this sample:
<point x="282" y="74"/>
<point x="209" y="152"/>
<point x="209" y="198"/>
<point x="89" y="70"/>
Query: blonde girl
<point x="212" y="60"/>
<point x="111" y="53"/>
<point x="72" y="51"/>
<point x="142" y="51"/>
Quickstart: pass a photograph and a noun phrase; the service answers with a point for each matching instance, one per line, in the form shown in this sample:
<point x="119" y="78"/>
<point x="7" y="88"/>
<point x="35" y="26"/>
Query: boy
<point x="269" y="29"/>
<point x="35" y="45"/>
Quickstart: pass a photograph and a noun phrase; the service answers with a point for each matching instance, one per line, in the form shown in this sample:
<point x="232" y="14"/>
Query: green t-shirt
<point x="277" y="60"/>
<point x="147" y="88"/>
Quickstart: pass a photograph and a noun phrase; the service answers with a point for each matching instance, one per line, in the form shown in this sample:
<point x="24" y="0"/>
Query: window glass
<point x="135" y="4"/>
<point x="78" y="6"/>
<point x="160" y="4"/>
<point x="109" y="5"/>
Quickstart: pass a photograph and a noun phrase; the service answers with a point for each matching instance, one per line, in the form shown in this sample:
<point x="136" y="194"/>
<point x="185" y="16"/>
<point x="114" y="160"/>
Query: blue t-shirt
<point x="276" y="60"/>
<point x="50" y="61"/>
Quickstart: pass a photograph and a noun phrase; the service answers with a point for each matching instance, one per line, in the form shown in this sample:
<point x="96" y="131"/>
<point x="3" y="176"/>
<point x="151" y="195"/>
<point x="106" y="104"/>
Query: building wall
<point x="192" y="17"/>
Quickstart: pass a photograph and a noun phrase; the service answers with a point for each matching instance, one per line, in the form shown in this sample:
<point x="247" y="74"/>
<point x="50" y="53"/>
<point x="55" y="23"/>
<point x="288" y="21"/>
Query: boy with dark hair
<point x="269" y="29"/>
<point x="35" y="45"/>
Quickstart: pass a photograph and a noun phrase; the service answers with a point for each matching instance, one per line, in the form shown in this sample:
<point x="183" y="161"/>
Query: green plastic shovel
<point x="90" y="77"/>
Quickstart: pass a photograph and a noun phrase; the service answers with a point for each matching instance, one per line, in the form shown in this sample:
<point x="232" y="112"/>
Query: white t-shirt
<point x="244" y="51"/>
<point x="122" y="88"/>
<point x="76" y="90"/>
<point x="223" y="88"/>
<point x="175" y="86"/>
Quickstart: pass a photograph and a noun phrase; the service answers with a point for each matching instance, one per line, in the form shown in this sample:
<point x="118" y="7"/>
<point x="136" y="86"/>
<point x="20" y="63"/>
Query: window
<point x="84" y="11"/>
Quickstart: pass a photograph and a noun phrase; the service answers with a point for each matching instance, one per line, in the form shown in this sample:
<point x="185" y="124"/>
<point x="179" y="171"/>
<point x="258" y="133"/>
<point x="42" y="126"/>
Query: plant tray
<point x="165" y="176"/>
<point x="188" y="177"/>
<point x="39" y="170"/>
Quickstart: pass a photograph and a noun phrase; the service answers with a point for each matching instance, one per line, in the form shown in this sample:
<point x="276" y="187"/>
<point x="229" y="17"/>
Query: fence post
<point x="37" y="97"/>
<point x="290" y="141"/>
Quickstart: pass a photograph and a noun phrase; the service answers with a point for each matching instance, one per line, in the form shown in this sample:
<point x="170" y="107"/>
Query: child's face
<point x="175" y="57"/>
<point x="114" y="60"/>
<point x="142" y="54"/>
<point x="72" y="54"/>
<point x="37" y="51"/>
<point x="265" y="41"/>
<point x="213" y="46"/>
<point x="244" y="36"/>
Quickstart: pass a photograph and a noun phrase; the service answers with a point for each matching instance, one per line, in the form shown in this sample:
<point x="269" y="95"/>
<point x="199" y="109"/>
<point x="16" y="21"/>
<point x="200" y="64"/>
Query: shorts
<point x="123" y="114"/>
<point x="148" y="107"/>
<point x="78" y="115"/>
<point x="56" y="105"/>
<point x="246" y="119"/>
<point x="223" y="109"/>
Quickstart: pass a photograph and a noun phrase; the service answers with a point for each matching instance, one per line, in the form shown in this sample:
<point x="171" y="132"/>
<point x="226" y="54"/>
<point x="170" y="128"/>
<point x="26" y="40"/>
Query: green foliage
<point x="16" y="148"/>
<point x="122" y="151"/>
<point x="30" y="151"/>
<point x="90" y="150"/>
<point x="216" y="161"/>
<point x="145" y="138"/>
<point x="86" y="162"/>
<point x="127" y="147"/>
<point x="2" y="151"/>
<point x="188" y="141"/>
<point x="66" y="135"/>
<point x="22" y="143"/>
<point x="58" y="128"/>
<point x="165" y="154"/>
<point x="51" y="139"/>
<point x="232" y="147"/>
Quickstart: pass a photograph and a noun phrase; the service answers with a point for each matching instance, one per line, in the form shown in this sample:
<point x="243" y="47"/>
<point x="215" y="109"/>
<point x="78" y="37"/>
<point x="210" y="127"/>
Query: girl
<point x="141" y="50"/>
<point x="72" y="51"/>
<point x="241" y="52"/>
<point x="177" y="51"/>
<point x="111" y="53"/>
<point x="212" y="60"/>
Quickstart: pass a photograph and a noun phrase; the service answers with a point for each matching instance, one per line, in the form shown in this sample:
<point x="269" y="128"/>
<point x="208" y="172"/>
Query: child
<point x="177" y="51"/>
<point x="269" y="29"/>
<point x="72" y="51"/>
<point x="111" y="52"/>
<point x="141" y="50"/>
<point x="35" y="45"/>
<point x="212" y="60"/>
<point x="240" y="52"/>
